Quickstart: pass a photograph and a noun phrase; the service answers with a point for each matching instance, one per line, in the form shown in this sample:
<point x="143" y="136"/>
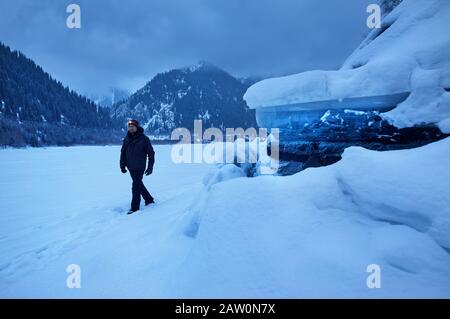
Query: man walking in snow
<point x="135" y="149"/>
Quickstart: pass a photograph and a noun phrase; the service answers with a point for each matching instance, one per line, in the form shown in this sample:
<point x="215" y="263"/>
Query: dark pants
<point x="138" y="189"/>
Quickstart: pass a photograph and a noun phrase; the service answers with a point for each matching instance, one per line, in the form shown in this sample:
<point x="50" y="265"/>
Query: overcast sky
<point x="125" y="43"/>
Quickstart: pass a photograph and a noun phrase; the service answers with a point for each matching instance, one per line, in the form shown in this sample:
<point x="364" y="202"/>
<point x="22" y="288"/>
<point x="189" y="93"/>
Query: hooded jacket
<point x="135" y="150"/>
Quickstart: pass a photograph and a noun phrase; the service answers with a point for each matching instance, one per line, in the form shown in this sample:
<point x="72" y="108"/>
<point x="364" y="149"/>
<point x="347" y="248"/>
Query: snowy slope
<point x="215" y="233"/>
<point x="410" y="53"/>
<point x="314" y="233"/>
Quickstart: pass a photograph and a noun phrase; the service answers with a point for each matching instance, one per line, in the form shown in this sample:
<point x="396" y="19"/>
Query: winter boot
<point x="131" y="211"/>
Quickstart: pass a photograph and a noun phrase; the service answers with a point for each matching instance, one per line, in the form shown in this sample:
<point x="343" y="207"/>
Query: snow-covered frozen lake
<point x="214" y="233"/>
<point x="64" y="205"/>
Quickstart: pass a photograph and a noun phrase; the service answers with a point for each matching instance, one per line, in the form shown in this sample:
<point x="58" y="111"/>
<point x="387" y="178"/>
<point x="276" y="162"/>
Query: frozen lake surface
<point x="215" y="233"/>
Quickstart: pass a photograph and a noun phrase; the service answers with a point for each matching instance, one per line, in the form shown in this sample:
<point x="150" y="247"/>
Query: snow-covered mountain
<point x="410" y="53"/>
<point x="178" y="97"/>
<point x="113" y="96"/>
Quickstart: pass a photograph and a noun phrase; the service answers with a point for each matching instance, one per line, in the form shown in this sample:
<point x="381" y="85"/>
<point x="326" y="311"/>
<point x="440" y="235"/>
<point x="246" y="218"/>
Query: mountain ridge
<point x="177" y="97"/>
<point x="37" y="110"/>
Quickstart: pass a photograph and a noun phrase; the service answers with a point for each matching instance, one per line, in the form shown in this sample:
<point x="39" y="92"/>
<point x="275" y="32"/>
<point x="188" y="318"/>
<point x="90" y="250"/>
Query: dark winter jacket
<point x="135" y="150"/>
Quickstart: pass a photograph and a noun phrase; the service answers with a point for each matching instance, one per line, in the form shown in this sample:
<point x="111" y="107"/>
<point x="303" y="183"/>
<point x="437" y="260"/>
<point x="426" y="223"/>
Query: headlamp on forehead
<point x="133" y="122"/>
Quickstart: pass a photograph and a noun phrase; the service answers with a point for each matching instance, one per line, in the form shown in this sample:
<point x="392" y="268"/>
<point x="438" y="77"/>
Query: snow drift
<point x="314" y="233"/>
<point x="410" y="53"/>
<point x="217" y="233"/>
